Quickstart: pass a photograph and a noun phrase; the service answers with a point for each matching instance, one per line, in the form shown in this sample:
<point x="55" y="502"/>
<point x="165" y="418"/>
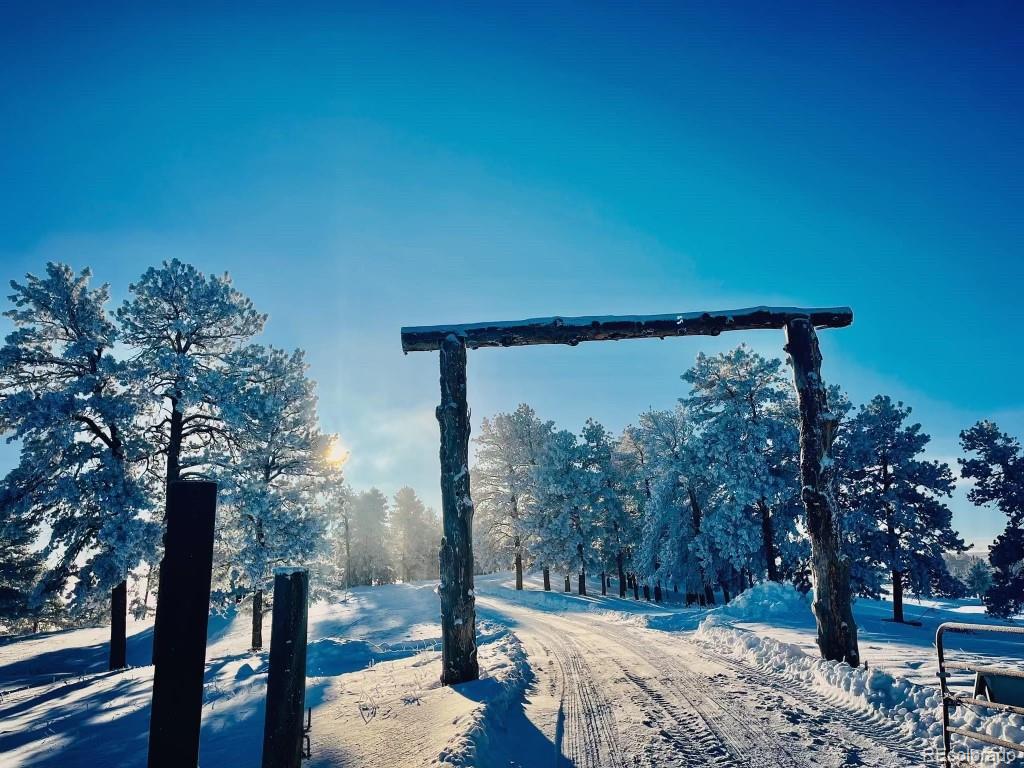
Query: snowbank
<point x="912" y="707"/>
<point x="765" y="602"/>
<point x="501" y="687"/>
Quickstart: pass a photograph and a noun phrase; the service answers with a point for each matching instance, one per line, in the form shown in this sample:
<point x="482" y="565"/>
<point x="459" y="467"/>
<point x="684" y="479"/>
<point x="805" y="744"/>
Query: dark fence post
<point x="119" y="626"/>
<point x="286" y="680"/>
<point x="182" y="611"/>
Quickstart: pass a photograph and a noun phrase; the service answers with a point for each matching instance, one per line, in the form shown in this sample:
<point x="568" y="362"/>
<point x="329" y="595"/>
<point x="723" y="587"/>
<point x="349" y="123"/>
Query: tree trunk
<point x="709" y="594"/>
<point x="893" y="541"/>
<point x="257" y="620"/>
<point x="568" y="584"/>
<point x="897" y="596"/>
<point x="647" y="592"/>
<point x="145" y="596"/>
<point x="833" y="613"/>
<point x="35" y="627"/>
<point x="118" y="626"/>
<point x="519" y="570"/>
<point x="768" y="540"/>
<point x="547" y="579"/>
<point x="582" y="583"/>
<point x="458" y="603"/>
<point x="174" y="443"/>
<point x="636" y="588"/>
<point x="622" y="574"/>
<point x="724" y="583"/>
<point x="657" y="592"/>
<point x="348" y="554"/>
<point x="604" y="583"/>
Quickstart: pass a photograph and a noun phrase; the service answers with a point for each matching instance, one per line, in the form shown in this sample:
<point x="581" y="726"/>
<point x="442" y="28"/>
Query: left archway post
<point x="458" y="601"/>
<point x="182" y="612"/>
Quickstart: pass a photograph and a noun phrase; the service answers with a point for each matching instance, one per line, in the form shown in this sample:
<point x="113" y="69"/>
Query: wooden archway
<point x="837" y="632"/>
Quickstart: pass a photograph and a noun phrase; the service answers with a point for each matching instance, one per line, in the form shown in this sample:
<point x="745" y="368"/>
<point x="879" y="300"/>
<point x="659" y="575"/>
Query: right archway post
<point x="830" y="568"/>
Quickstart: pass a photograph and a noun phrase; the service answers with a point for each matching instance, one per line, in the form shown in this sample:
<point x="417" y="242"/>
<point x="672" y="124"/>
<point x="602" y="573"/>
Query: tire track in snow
<point x="628" y="696"/>
<point x="867" y="732"/>
<point x="586" y="730"/>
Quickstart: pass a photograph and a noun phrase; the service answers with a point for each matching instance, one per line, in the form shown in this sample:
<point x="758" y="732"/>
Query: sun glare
<point x="337" y="453"/>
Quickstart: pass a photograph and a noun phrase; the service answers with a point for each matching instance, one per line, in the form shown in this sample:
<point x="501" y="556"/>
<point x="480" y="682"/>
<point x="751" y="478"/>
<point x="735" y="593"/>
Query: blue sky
<point x="358" y="169"/>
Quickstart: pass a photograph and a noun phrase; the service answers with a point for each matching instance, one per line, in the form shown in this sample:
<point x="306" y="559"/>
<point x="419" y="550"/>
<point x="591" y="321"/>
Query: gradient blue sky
<point x="357" y="169"/>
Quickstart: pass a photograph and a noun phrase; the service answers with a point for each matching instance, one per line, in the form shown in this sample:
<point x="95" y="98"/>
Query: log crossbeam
<point x="573" y="330"/>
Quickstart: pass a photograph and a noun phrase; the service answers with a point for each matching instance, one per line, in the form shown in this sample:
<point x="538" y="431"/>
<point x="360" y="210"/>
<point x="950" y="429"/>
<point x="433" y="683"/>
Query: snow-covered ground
<point x="569" y="680"/>
<point x="373" y="668"/>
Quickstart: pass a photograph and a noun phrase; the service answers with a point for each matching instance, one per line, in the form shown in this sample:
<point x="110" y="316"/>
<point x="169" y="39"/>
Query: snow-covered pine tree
<point x="415" y="537"/>
<point x="186" y="329"/>
<point x="672" y="539"/>
<point x="634" y="468"/>
<point x="979" y="578"/>
<point x="614" y="525"/>
<point x="370" y="563"/>
<point x="64" y="399"/>
<point x="749" y="429"/>
<point x="334" y="499"/>
<point x="906" y="526"/>
<point x="508" y="447"/>
<point x="563" y="528"/>
<point x="997" y="469"/>
<point x="20" y="564"/>
<point x="269" y="480"/>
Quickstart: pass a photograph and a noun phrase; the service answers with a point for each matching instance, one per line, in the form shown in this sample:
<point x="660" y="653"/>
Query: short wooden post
<point x="286" y="680"/>
<point x="119" y="626"/>
<point x="458" y="602"/>
<point x="182" y="611"/>
<point x="837" y="631"/>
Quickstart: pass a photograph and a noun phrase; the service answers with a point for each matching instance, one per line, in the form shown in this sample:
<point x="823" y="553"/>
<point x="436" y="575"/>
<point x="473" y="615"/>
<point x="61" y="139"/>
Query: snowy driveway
<point x="609" y="694"/>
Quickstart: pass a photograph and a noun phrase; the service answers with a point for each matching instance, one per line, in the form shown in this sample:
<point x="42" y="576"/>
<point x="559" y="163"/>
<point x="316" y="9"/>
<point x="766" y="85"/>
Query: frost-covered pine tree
<point x="64" y="399"/>
<point x="269" y="477"/>
<point x="905" y="526"/>
<point x="20" y="565"/>
<point x="635" y="470"/>
<point x="564" y="527"/>
<point x="747" y="420"/>
<point x="334" y="499"/>
<point x="368" y="520"/>
<point x="508" y="448"/>
<point x="606" y="473"/>
<point x="979" y="578"/>
<point x="673" y="539"/>
<point x="997" y="469"/>
<point x="186" y="329"/>
<point x="414" y="537"/>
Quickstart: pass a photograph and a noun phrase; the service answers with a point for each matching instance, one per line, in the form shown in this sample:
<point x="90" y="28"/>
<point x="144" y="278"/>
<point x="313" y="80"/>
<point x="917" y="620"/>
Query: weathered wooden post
<point x="458" y="601"/>
<point x="837" y="631"/>
<point x="286" y="680"/>
<point x="118" y="626"/>
<point x="182" y="611"/>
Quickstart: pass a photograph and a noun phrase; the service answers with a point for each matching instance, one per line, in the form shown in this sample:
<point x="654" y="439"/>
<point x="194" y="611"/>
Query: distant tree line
<point x="705" y="496"/>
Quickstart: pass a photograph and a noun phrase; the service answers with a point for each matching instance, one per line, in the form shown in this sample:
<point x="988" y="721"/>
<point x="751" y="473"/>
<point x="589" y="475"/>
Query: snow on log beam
<point x="573" y="330"/>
